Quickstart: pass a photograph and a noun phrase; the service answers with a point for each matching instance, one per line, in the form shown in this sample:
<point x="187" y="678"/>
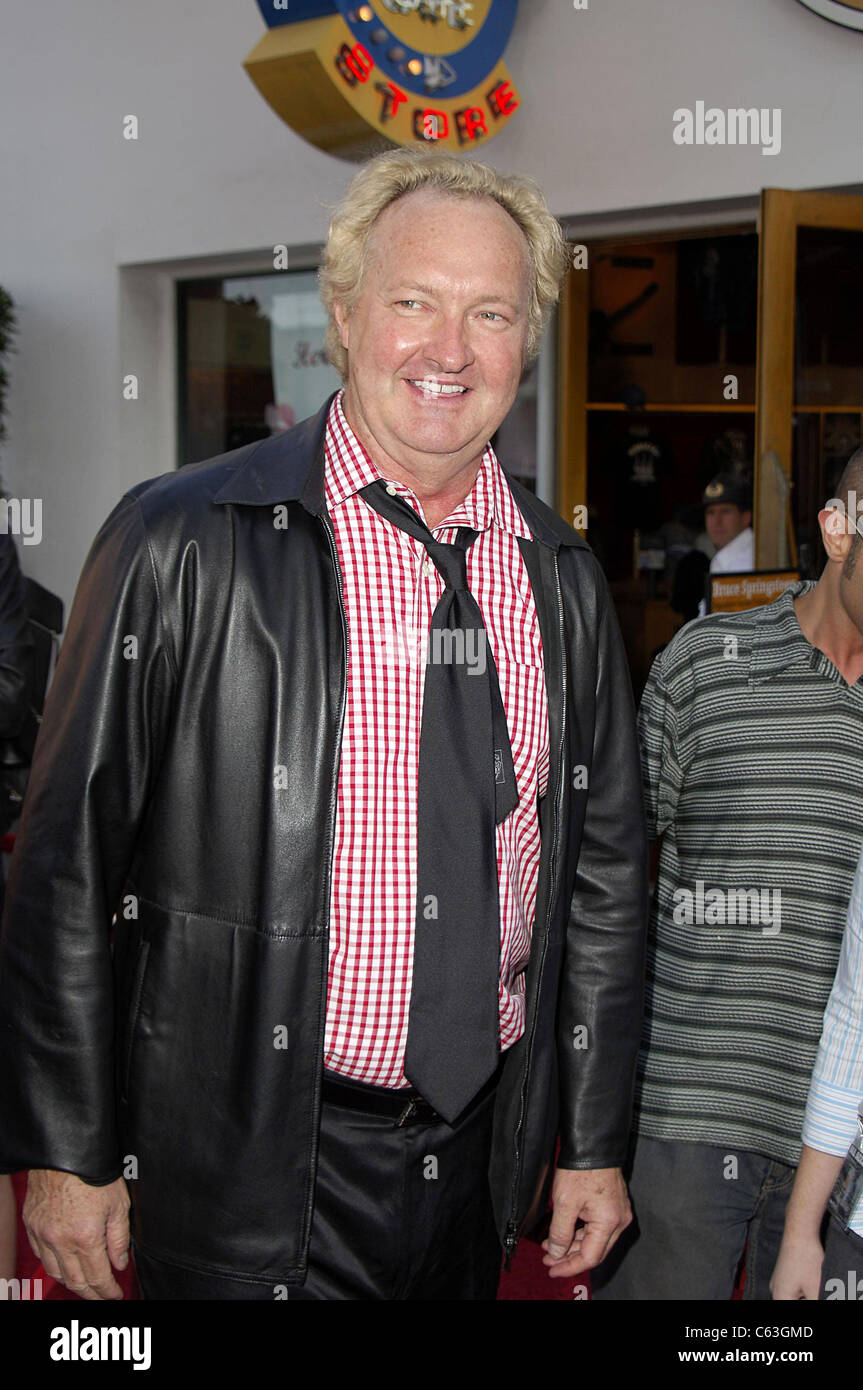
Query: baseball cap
<point x="727" y="487"/>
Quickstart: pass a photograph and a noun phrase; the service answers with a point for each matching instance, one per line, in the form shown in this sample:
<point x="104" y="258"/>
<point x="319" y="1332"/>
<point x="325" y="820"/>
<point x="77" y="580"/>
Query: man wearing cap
<point x="728" y="522"/>
<point x="751" y="728"/>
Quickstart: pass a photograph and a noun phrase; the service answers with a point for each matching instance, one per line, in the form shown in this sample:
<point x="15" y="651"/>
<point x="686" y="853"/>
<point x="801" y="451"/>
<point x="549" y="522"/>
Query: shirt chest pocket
<point x="523" y="691"/>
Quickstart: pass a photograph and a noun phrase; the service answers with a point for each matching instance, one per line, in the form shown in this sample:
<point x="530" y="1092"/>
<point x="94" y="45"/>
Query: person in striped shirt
<point x="751" y="727"/>
<point x="831" y="1125"/>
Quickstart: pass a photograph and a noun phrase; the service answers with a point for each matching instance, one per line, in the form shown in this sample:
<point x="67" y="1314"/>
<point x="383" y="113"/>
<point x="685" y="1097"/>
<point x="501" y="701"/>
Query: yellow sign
<point x="732" y="593"/>
<point x="397" y="72"/>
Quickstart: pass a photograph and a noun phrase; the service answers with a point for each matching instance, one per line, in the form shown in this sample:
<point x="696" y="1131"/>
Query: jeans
<point x="695" y="1207"/>
<point x="842" y="1270"/>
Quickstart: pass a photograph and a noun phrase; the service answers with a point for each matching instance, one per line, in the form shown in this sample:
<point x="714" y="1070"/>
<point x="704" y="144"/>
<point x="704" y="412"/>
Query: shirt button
<point x="391" y="490"/>
<point x="429" y="568"/>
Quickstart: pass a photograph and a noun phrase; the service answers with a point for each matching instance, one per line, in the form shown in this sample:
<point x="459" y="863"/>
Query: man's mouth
<point x="436" y="389"/>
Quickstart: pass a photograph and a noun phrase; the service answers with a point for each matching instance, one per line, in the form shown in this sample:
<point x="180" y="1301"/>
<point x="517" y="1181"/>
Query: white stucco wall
<point x="214" y="172"/>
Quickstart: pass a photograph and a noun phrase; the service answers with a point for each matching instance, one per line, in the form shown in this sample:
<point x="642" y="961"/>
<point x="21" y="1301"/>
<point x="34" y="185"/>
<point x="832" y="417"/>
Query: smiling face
<point x="436" y="341"/>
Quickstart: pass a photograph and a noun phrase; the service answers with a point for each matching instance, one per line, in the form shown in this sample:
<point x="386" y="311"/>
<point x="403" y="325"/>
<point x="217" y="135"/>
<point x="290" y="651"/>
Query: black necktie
<point x="466" y="787"/>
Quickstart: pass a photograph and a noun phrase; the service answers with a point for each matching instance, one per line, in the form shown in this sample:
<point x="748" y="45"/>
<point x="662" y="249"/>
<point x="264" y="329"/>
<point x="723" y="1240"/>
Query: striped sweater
<point x="752" y="757"/>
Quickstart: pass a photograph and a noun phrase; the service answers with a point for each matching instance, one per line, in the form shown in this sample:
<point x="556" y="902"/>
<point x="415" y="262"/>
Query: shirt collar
<point x="779" y="643"/>
<point x="350" y="467"/>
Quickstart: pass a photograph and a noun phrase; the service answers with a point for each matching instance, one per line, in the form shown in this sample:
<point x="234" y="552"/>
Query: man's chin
<point x="440" y="444"/>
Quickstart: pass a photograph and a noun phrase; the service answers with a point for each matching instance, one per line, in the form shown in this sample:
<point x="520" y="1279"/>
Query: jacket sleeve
<point x="16" y="644"/>
<point x="95" y="756"/>
<point x="602" y="988"/>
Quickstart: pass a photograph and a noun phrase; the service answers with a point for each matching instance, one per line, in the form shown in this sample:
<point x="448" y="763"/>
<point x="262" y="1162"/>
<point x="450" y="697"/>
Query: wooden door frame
<point x="573" y="322"/>
<point x="782" y="211"/>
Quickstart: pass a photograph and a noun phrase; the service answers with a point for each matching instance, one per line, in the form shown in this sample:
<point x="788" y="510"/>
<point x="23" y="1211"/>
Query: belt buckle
<point x="409" y="1110"/>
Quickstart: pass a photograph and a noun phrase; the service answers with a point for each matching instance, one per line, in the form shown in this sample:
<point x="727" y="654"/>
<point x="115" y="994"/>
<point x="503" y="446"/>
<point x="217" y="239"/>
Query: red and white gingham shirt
<point x="391" y="589"/>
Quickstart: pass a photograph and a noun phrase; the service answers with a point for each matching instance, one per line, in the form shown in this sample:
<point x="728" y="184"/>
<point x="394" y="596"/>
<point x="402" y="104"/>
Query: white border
<point x="835" y="11"/>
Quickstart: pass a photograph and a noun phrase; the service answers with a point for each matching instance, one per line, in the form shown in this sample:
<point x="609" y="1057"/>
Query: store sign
<point x="847" y="12"/>
<point x="733" y="593"/>
<point x="346" y="75"/>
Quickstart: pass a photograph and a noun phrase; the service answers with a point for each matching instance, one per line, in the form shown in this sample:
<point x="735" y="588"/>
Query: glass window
<point x="252" y="359"/>
<point x="828" y="366"/>
<point x="671" y="320"/>
<point x="828" y="376"/>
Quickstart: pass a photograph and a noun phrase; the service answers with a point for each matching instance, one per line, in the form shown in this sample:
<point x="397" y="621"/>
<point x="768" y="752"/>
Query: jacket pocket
<point x="222" y="1105"/>
<point x="134" y="1010"/>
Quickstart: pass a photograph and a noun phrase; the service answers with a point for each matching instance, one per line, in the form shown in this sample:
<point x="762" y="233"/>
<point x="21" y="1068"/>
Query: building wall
<point x="95" y="225"/>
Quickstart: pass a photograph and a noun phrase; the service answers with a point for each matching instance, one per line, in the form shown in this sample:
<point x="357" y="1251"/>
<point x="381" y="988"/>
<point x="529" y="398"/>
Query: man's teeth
<point x="439" y="388"/>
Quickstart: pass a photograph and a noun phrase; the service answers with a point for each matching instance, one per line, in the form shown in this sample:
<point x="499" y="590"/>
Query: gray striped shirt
<point x="752" y="758"/>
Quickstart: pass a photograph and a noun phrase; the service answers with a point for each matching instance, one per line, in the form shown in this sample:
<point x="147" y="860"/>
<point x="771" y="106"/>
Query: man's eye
<point x="491" y="314"/>
<point x="409" y="302"/>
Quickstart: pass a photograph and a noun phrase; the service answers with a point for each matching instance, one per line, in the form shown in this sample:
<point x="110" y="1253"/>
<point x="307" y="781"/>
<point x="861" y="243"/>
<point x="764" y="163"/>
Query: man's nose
<point x="448" y="344"/>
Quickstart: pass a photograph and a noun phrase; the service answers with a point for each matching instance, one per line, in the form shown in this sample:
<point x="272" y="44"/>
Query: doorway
<point x="724" y="351"/>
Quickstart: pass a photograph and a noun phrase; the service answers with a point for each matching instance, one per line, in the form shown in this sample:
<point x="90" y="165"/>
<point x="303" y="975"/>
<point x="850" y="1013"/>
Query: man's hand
<point x="78" y="1231"/>
<point x="599" y="1198"/>
<point x="801" y="1254"/>
<point x="798" y="1268"/>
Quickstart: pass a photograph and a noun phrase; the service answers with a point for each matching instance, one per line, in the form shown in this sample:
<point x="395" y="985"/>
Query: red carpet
<point x="527" y="1278"/>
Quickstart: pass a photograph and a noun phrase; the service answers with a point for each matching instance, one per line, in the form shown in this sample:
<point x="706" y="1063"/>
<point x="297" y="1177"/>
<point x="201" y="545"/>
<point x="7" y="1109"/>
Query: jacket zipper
<point x="511" y="1236"/>
<point x="324" y="520"/>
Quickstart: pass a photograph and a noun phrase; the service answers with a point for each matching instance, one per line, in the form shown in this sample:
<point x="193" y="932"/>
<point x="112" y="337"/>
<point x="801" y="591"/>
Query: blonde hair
<point x="390" y="176"/>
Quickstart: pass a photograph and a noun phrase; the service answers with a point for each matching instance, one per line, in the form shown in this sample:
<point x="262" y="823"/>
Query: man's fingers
<point x="556" y="1248"/>
<point x="594" y="1245"/>
<point x="47" y="1258"/>
<point x="591" y="1244"/>
<point x="118" y="1239"/>
<point x="588" y="1248"/>
<point x="98" y="1275"/>
<point x="564" y="1269"/>
<point x="562" y="1231"/>
<point x="60" y="1264"/>
<point x="84" y="1272"/>
<point x="562" y="1241"/>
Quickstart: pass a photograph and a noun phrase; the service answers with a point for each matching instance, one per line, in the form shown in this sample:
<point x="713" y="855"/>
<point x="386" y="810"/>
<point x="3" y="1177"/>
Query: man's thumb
<point x="559" y="1237"/>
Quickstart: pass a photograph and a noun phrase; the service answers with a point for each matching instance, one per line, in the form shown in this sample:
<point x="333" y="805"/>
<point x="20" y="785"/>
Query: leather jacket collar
<point x="290" y="467"/>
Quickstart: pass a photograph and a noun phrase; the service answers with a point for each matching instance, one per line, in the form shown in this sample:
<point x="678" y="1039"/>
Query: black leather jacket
<point x="185" y="779"/>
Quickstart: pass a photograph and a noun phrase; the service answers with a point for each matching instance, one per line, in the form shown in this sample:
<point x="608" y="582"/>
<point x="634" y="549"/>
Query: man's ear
<point x="342" y="319"/>
<point x="837" y="532"/>
<point x="746" y="517"/>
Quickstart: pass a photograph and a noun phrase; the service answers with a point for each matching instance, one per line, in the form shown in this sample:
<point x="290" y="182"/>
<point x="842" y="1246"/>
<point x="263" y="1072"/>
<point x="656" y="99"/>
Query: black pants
<point x="400" y="1213"/>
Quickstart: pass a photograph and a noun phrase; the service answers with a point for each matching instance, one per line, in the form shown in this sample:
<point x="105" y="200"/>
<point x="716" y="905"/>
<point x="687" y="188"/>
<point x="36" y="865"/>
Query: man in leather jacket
<point x="206" y="770"/>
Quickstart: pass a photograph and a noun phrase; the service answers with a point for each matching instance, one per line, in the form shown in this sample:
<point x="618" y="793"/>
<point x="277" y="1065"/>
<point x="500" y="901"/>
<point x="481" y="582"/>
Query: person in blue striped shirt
<point x="805" y="1268"/>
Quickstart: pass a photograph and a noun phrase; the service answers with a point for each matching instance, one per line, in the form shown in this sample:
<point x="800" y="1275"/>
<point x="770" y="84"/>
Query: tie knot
<point x="451" y="560"/>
